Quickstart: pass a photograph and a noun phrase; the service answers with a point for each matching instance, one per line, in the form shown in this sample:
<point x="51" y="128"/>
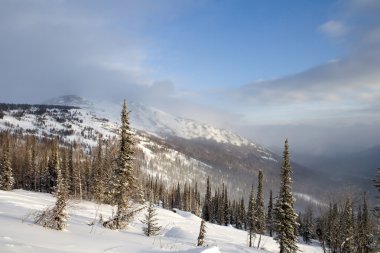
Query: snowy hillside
<point x="179" y="233"/>
<point x="155" y="121"/>
<point x="195" y="152"/>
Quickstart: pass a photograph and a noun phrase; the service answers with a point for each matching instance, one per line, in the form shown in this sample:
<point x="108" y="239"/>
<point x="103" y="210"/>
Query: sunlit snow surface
<point x="179" y="233"/>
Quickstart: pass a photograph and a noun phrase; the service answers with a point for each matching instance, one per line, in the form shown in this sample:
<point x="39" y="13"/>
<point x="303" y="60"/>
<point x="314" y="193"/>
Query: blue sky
<point x="306" y="70"/>
<point x="231" y="43"/>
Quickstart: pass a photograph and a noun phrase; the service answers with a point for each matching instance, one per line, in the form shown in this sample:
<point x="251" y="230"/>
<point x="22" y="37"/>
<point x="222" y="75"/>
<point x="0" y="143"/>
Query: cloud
<point x="333" y="28"/>
<point x="354" y="78"/>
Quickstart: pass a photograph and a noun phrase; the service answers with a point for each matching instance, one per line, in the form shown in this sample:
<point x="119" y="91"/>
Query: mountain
<point x="173" y="148"/>
<point x="154" y="121"/>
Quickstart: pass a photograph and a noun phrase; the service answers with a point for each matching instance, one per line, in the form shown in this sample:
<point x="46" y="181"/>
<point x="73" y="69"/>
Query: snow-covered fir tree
<point x="202" y="233"/>
<point x="206" y="210"/>
<point x="151" y="228"/>
<point x="124" y="182"/>
<point x="347" y="236"/>
<point x="6" y="180"/>
<point x="285" y="216"/>
<point x="269" y="217"/>
<point x="251" y="218"/>
<point x="59" y="210"/>
<point x="99" y="180"/>
<point x="260" y="209"/>
<point x="307" y="226"/>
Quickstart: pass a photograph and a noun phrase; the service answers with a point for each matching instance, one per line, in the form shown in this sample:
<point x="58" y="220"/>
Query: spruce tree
<point x="227" y="214"/>
<point x="242" y="215"/>
<point x="347" y="228"/>
<point x="206" y="210"/>
<point x="124" y="182"/>
<point x="6" y="180"/>
<point x="260" y="209"/>
<point x="307" y="231"/>
<point x="99" y="181"/>
<point x="270" y="215"/>
<point x="286" y="225"/>
<point x="202" y="233"/>
<point x="150" y="221"/>
<point x="52" y="171"/>
<point x="251" y="218"/>
<point x="60" y="193"/>
<point x="366" y="237"/>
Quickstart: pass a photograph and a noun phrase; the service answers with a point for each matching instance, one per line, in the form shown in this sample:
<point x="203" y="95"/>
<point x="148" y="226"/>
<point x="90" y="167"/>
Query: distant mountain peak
<point x="71" y="100"/>
<point x="154" y="121"/>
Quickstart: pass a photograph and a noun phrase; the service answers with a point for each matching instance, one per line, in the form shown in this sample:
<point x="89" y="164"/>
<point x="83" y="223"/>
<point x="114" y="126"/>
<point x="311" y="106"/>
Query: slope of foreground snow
<point x="179" y="233"/>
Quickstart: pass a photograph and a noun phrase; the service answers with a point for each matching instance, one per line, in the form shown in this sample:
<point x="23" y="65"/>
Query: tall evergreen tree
<point x="347" y="228"/>
<point x="285" y="221"/>
<point x="52" y="168"/>
<point x="60" y="193"/>
<point x="307" y="228"/>
<point x="270" y="215"/>
<point x="227" y="214"/>
<point x="251" y="218"/>
<point x="206" y="210"/>
<point x="124" y="183"/>
<point x="6" y="180"/>
<point x="260" y="209"/>
<point x="99" y="180"/>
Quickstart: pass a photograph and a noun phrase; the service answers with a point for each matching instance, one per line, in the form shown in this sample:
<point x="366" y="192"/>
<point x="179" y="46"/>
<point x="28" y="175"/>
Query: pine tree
<point x="6" y="180"/>
<point x="202" y="233"/>
<point x="61" y="194"/>
<point x="307" y="231"/>
<point x="260" y="209"/>
<point x="242" y="215"/>
<point x="99" y="181"/>
<point x="251" y="218"/>
<point x="70" y="173"/>
<point x="124" y="183"/>
<point x="150" y="221"/>
<point x="286" y="225"/>
<point x="206" y="210"/>
<point x="227" y="214"/>
<point x="347" y="228"/>
<point x="34" y="165"/>
<point x="270" y="215"/>
<point x="52" y="171"/>
<point x="177" y="197"/>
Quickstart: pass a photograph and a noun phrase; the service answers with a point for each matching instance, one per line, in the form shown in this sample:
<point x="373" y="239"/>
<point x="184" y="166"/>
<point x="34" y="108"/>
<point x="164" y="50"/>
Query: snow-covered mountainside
<point x="155" y="121"/>
<point x="179" y="231"/>
<point x="172" y="148"/>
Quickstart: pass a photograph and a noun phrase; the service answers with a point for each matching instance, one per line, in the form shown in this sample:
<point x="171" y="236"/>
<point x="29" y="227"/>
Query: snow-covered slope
<point x="155" y="121"/>
<point x="179" y="231"/>
<point x="178" y="150"/>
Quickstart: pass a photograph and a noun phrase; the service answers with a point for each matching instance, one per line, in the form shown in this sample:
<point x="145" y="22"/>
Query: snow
<point x="155" y="121"/>
<point x="179" y="234"/>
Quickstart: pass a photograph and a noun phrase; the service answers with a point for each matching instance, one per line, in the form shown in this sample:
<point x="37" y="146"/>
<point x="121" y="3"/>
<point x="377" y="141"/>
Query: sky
<point x="270" y="70"/>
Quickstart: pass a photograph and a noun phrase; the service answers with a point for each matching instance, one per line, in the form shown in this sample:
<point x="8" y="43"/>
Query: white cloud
<point x="333" y="28"/>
